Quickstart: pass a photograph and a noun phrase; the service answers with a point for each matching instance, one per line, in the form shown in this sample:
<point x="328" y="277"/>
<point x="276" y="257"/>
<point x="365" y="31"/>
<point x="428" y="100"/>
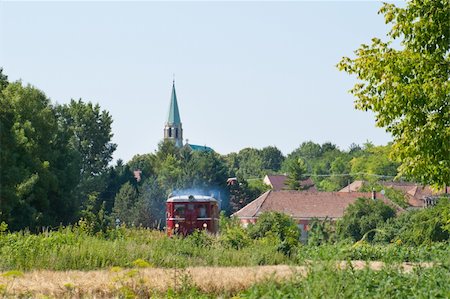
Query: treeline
<point x="329" y="167"/>
<point x="55" y="167"/>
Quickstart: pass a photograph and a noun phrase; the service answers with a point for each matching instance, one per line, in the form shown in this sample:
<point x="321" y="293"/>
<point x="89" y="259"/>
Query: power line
<point x="338" y="174"/>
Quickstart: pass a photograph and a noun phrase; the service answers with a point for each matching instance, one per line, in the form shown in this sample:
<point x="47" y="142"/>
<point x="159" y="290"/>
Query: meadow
<point x="137" y="262"/>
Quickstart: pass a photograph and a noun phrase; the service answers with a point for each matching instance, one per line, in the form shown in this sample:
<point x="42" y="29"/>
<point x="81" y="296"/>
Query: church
<point x="173" y="129"/>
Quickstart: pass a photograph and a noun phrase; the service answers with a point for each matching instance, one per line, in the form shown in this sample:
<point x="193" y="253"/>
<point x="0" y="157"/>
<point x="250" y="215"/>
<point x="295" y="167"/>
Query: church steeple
<point x="173" y="129"/>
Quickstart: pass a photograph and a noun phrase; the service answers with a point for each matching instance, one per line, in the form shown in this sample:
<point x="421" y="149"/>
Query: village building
<point x="278" y="182"/>
<point x="417" y="196"/>
<point x="304" y="206"/>
<point x="173" y="129"/>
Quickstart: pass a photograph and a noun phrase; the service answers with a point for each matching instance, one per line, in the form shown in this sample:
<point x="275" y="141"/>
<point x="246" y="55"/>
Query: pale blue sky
<point x="248" y="74"/>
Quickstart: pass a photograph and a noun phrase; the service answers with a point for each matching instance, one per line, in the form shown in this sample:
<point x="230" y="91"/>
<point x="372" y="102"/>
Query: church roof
<point x="174" y="114"/>
<point x="199" y="148"/>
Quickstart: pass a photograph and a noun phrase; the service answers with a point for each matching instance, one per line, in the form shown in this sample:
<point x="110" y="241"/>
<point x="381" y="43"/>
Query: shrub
<point x="321" y="231"/>
<point x="279" y="225"/>
<point x="362" y="218"/>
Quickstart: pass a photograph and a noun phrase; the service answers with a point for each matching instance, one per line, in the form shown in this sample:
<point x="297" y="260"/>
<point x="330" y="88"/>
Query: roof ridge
<point x="262" y="202"/>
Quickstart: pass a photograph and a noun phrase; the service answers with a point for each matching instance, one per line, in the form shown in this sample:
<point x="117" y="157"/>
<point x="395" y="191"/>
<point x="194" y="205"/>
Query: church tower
<point x="173" y="129"/>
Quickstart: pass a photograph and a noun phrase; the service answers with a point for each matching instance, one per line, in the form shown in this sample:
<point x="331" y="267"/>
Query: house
<point x="417" y="196"/>
<point x="303" y="206"/>
<point x="277" y="182"/>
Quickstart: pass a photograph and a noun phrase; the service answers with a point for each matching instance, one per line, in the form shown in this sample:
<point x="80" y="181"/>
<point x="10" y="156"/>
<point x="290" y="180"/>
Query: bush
<point x="321" y="231"/>
<point x="279" y="225"/>
<point x="362" y="218"/>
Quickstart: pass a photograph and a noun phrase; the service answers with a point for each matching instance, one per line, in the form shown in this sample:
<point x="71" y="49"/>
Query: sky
<point x="247" y="74"/>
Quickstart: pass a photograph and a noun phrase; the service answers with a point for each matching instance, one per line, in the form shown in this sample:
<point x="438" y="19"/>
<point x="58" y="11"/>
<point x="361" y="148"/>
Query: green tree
<point x="278" y="225"/>
<point x="126" y="205"/>
<point x="363" y="216"/>
<point x="272" y="158"/>
<point x="296" y="173"/>
<point x="408" y="88"/>
<point x="373" y="163"/>
<point x="90" y="136"/>
<point x="250" y="163"/>
<point x="205" y="170"/>
<point x="151" y="206"/>
<point x="38" y="168"/>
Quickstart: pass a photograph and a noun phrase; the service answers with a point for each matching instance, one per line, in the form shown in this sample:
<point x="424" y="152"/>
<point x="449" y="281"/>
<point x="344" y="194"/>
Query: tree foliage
<point x="408" y="89"/>
<point x="38" y="168"/>
<point x="45" y="151"/>
<point x="278" y="225"/>
<point x="362" y="218"/>
<point x="296" y="173"/>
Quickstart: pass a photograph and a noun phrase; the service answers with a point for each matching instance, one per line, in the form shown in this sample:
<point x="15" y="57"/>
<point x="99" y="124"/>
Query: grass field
<point x="129" y="263"/>
<point x="254" y="281"/>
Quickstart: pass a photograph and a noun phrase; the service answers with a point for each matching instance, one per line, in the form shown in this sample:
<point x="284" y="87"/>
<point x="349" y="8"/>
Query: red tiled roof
<point x="277" y="182"/>
<point x="304" y="205"/>
<point x="414" y="192"/>
<point x="353" y="187"/>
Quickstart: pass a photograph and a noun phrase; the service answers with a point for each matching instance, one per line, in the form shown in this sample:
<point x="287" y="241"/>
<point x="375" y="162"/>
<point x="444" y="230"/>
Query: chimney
<point x="374" y="194"/>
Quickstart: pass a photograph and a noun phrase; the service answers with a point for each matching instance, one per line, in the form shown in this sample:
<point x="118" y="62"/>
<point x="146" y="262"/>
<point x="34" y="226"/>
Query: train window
<point x="190" y="207"/>
<point x="179" y="210"/>
<point x="202" y="211"/>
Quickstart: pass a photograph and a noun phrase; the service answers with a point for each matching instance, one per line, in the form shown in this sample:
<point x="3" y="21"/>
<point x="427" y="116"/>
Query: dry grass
<point x="113" y="282"/>
<point x="108" y="283"/>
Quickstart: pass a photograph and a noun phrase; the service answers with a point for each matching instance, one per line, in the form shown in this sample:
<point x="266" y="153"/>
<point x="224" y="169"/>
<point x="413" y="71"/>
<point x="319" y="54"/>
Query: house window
<point x="170" y="132"/>
<point x="176" y="132"/>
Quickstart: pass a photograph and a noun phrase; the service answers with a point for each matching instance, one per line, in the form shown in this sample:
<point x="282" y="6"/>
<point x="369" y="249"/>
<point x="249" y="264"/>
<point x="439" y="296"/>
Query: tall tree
<point x="91" y="129"/>
<point x="296" y="173"/>
<point x="272" y="158"/>
<point x="408" y="88"/>
<point x="90" y="136"/>
<point x="38" y="169"/>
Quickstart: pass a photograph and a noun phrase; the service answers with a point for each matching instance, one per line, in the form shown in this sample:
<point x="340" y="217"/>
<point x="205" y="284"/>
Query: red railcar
<point x="187" y="213"/>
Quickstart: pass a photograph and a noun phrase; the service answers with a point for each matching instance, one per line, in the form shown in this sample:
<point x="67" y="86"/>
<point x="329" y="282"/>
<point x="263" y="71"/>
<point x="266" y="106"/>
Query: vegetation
<point x="326" y="282"/>
<point x="408" y="88"/>
<point x="362" y="218"/>
<point x="64" y="207"/>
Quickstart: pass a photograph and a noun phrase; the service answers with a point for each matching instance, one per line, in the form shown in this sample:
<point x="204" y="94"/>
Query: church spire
<point x="173" y="129"/>
<point x="174" y="114"/>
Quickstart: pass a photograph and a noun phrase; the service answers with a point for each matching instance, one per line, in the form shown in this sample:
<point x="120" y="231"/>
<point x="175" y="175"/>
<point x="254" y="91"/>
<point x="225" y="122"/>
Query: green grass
<point x="72" y="248"/>
<point x="326" y="282"/>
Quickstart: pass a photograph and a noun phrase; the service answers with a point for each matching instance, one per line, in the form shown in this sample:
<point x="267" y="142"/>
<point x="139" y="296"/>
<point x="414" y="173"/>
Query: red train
<point x="187" y="213"/>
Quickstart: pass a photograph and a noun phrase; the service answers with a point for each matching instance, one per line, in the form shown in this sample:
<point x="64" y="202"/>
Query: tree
<point x="38" y="168"/>
<point x="3" y="80"/>
<point x="278" y="225"/>
<point x="363" y="217"/>
<point x="408" y="89"/>
<point x="373" y="163"/>
<point x="296" y="173"/>
<point x="125" y="205"/>
<point x="250" y="163"/>
<point x="91" y="134"/>
<point x="272" y="158"/>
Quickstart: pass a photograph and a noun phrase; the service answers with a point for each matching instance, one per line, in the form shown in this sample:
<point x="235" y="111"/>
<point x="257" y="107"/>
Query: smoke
<point x="221" y="194"/>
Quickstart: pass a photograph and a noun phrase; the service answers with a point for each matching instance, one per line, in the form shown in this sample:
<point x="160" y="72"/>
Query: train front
<point x="187" y="213"/>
